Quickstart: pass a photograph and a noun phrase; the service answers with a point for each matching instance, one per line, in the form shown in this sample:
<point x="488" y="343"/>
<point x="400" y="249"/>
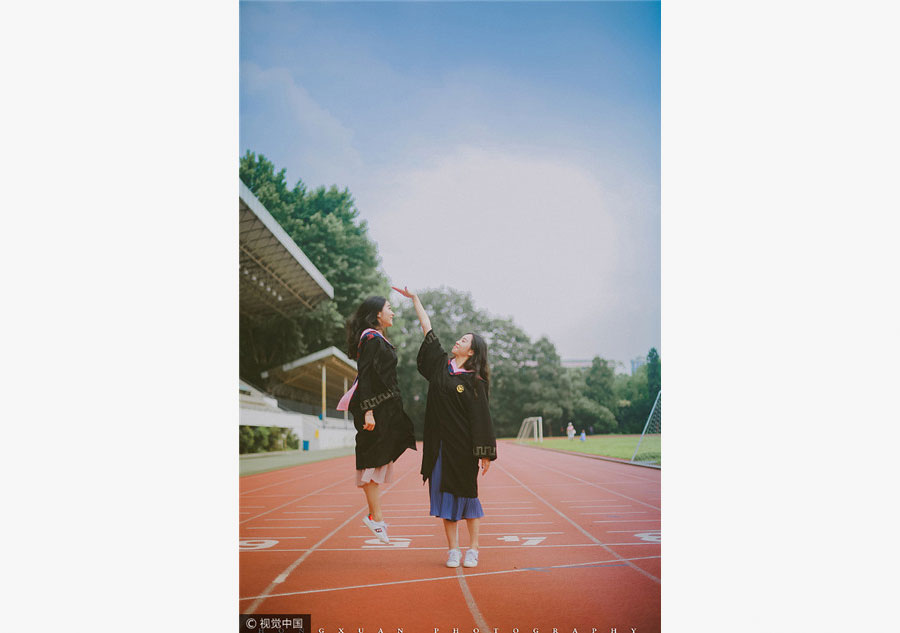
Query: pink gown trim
<point x="456" y="370"/>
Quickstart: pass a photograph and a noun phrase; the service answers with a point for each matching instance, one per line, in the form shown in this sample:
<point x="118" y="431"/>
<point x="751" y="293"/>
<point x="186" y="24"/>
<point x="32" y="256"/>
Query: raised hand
<point x="405" y="292"/>
<point x="417" y="304"/>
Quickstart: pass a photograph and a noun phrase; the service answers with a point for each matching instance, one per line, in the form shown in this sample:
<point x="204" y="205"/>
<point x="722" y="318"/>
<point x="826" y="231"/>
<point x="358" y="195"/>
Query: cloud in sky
<point x="506" y="149"/>
<point x="307" y="131"/>
<point x="532" y="238"/>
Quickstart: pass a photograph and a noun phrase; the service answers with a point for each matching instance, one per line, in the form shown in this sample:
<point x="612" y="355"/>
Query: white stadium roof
<point x="276" y="277"/>
<point x="329" y="366"/>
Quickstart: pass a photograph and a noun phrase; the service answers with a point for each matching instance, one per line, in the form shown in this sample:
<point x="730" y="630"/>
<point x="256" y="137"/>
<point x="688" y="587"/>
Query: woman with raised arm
<point x="384" y="431"/>
<point x="459" y="434"/>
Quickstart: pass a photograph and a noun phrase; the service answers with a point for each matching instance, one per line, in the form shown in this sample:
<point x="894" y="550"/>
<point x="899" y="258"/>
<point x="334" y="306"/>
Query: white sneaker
<point x="453" y="557"/>
<point x="471" y="558"/>
<point x="379" y="529"/>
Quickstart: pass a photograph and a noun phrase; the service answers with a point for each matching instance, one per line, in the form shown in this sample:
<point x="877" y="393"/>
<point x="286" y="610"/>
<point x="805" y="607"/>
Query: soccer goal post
<point x="531" y="426"/>
<point x="649" y="446"/>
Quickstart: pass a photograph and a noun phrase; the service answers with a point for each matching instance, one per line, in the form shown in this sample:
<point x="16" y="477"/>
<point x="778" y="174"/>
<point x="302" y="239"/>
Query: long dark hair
<point x="478" y="361"/>
<point x="366" y="316"/>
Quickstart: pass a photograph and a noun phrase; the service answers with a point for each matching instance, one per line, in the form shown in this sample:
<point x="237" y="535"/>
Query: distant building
<point x="637" y="362"/>
<point x="617" y="366"/>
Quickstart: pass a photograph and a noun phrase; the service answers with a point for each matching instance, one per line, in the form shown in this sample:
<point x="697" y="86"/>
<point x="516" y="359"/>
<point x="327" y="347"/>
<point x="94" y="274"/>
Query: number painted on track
<point x="252" y="545"/>
<point x="652" y="537"/>
<point x="529" y="540"/>
<point x="374" y="543"/>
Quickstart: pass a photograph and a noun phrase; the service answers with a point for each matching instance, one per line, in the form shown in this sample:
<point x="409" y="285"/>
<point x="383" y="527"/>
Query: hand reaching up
<point x="420" y="311"/>
<point x="405" y="292"/>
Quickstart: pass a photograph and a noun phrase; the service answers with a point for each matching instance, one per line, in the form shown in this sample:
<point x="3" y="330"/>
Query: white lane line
<point x="285" y="527"/>
<point x="442" y="548"/>
<point x="399" y="536"/>
<point x="578" y="527"/>
<point x="355" y="493"/>
<point x="470" y="601"/>
<point x="489" y="488"/>
<point x="605" y="505"/>
<point x="585" y="500"/>
<point x="520" y="533"/>
<point x="600" y="563"/>
<point x="270" y="538"/>
<point x="253" y="507"/>
<point x="309" y="512"/>
<point x="505" y="507"/>
<point x="271" y="549"/>
<point x="628" y="521"/>
<point x="299" y="519"/>
<point x="296" y="499"/>
<point x="483" y="522"/>
<point x="610" y="467"/>
<point x="270" y="496"/>
<point x="613" y="492"/>
<point x="342" y="505"/>
<point x="287" y="572"/>
<point x="629" y="531"/>
<point x="536" y="514"/>
<point x="287" y="481"/>
<point x="587" y="514"/>
<point x="416" y="516"/>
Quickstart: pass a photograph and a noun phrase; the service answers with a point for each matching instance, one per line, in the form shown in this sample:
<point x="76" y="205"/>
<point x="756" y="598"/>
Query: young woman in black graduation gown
<point x="384" y="431"/>
<point x="459" y="434"/>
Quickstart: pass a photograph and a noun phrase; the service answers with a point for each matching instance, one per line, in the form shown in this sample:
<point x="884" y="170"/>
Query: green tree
<point x="654" y="374"/>
<point x="599" y="382"/>
<point x="545" y="389"/>
<point x="325" y="224"/>
<point x="526" y="376"/>
<point x="588" y="413"/>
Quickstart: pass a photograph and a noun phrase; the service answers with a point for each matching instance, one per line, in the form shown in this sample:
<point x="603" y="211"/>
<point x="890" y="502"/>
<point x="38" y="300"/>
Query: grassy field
<point x="254" y="463"/>
<point x="619" y="446"/>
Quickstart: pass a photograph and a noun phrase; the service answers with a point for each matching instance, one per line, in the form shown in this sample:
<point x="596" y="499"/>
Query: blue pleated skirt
<point x="449" y="506"/>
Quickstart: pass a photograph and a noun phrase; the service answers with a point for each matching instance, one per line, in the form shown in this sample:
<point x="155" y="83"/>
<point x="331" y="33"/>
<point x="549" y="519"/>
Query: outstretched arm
<point x="424" y="321"/>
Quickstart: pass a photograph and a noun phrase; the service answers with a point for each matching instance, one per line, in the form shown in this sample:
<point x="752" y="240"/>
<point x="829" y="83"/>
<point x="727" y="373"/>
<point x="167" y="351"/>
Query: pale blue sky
<point x="523" y="135"/>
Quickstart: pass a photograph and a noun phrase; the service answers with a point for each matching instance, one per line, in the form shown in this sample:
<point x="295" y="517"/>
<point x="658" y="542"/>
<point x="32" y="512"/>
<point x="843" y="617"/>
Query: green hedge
<point x="265" y="439"/>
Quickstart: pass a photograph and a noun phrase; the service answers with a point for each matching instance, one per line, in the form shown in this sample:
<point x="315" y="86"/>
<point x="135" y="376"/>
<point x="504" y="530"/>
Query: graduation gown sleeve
<point x="432" y="356"/>
<point x="484" y="443"/>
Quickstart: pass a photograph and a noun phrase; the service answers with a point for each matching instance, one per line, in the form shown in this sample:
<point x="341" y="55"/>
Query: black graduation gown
<point x="377" y="389"/>
<point x="457" y="421"/>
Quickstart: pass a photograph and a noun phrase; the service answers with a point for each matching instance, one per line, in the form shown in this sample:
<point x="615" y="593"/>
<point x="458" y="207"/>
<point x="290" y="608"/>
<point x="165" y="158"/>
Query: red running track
<point x="567" y="543"/>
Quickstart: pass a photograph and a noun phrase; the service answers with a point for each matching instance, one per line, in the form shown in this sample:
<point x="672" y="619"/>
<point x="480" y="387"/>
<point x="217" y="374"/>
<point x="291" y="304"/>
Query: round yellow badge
<point x="460" y="388"/>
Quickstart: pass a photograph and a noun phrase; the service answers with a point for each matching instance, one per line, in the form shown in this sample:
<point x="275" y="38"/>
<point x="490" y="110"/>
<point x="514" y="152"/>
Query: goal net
<point x="649" y="447"/>
<point x="531" y="426"/>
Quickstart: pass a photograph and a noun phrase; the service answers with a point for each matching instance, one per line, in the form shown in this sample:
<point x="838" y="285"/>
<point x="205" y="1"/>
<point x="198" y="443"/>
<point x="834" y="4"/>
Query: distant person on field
<point x="570" y="431"/>
<point x="583" y="436"/>
<point x="384" y="431"/>
<point x="459" y="434"/>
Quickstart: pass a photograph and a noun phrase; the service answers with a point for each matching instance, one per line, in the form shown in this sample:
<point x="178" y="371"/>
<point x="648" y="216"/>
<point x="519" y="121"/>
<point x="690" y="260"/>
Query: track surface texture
<point x="567" y="543"/>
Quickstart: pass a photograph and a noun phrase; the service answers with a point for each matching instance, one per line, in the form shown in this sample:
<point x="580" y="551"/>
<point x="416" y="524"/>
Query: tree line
<point x="527" y="377"/>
